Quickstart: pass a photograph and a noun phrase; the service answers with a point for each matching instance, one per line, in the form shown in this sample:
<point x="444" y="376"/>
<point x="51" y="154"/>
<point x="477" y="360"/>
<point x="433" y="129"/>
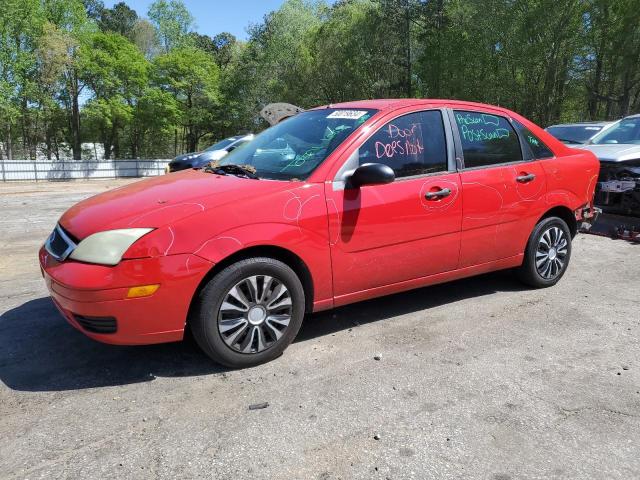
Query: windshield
<point x="221" y="144"/>
<point x="574" y="134"/>
<point x="626" y="131"/>
<point x="294" y="148"/>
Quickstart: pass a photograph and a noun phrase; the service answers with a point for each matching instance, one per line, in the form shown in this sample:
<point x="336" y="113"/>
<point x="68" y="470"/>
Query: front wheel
<point x="249" y="312"/>
<point x="548" y="253"/>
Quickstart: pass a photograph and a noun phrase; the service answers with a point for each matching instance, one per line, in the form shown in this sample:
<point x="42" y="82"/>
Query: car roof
<point x="395" y="103"/>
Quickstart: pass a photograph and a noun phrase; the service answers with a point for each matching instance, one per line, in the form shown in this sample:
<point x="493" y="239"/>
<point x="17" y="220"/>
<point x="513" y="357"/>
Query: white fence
<point x="52" y="170"/>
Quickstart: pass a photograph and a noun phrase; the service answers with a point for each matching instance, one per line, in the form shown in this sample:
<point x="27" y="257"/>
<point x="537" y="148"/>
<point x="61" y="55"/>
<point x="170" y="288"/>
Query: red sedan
<point x="335" y="205"/>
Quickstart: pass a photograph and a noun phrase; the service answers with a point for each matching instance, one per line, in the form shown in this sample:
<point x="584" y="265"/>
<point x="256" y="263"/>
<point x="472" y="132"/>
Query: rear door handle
<point x="444" y="192"/>
<point x="529" y="177"/>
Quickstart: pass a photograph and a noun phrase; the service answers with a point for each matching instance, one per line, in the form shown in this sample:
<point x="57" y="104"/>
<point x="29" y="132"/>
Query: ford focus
<point x="335" y="205"/>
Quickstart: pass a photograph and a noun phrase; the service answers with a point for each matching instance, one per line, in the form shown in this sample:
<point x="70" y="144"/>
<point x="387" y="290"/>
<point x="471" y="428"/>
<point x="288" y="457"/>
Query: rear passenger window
<point x="487" y="139"/>
<point x="413" y="144"/>
<point x="533" y="143"/>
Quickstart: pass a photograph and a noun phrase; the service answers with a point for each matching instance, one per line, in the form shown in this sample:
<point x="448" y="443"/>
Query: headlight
<point x="107" y="248"/>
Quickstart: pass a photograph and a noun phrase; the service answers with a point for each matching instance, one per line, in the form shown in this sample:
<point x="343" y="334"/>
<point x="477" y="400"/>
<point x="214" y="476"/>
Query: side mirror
<point x="371" y="174"/>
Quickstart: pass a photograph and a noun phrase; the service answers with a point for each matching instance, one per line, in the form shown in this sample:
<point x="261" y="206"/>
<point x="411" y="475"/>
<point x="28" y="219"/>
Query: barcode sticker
<point x="348" y="114"/>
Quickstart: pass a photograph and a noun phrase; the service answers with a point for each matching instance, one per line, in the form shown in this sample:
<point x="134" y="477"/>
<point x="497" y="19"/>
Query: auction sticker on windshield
<point x="350" y="114"/>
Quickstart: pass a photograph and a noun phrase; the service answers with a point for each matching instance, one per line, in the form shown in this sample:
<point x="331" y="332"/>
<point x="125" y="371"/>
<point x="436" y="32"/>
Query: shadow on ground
<point x="41" y="352"/>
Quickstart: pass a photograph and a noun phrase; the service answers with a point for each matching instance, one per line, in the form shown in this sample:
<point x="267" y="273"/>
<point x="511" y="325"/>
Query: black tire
<point x="537" y="276"/>
<point x="204" y="319"/>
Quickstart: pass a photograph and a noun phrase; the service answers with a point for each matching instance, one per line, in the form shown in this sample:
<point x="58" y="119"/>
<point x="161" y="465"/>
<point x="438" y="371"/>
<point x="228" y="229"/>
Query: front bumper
<point x="86" y="294"/>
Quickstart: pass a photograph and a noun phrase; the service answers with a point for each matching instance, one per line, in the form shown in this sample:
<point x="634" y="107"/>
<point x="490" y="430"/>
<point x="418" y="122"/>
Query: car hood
<point x="614" y="153"/>
<point x="159" y="201"/>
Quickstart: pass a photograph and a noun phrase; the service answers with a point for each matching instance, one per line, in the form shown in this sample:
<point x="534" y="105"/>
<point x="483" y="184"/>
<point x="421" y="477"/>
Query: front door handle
<point x="444" y="192"/>
<point x="529" y="177"/>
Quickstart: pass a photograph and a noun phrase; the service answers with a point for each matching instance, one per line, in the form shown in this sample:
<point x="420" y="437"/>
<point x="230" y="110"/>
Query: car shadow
<point x="382" y="308"/>
<point x="41" y="352"/>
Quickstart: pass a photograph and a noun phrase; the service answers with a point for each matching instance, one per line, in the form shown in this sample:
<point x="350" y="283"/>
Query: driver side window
<point x="413" y="144"/>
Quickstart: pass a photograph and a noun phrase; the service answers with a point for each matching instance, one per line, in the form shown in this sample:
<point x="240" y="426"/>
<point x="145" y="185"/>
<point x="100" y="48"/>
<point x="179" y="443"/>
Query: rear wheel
<point x="548" y="253"/>
<point x="249" y="312"/>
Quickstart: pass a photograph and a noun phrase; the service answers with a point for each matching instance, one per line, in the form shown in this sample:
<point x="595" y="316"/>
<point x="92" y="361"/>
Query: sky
<point x="215" y="16"/>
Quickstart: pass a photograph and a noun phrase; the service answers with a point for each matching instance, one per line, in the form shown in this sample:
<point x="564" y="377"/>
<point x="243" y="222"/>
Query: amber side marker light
<point x="142" y="291"/>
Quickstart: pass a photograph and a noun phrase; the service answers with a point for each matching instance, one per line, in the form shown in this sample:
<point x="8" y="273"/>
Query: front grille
<point x="97" y="324"/>
<point x="59" y="244"/>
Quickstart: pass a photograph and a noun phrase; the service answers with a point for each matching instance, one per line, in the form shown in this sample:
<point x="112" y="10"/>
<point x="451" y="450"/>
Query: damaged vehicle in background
<point x="618" y="149"/>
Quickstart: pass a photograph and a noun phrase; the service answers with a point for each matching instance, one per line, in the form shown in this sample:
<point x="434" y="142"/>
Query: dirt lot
<point x="477" y="379"/>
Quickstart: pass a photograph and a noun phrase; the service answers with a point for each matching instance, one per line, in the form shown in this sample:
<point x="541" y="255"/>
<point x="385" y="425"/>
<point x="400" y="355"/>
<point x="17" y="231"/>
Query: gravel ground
<point x="479" y="378"/>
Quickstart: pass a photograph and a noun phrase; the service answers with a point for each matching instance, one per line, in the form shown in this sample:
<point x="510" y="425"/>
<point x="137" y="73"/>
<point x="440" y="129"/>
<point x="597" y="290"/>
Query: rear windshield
<point x="574" y="134"/>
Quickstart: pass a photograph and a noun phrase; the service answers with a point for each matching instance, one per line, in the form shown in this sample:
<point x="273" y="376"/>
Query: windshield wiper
<point x="239" y="170"/>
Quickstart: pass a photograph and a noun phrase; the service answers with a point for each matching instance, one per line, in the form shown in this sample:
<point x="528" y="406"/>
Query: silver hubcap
<point x="551" y="253"/>
<point x="254" y="314"/>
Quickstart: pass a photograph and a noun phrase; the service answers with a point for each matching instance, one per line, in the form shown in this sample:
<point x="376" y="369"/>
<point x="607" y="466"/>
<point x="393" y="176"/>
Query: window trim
<point x="458" y="141"/>
<point x="525" y="144"/>
<point x="353" y="160"/>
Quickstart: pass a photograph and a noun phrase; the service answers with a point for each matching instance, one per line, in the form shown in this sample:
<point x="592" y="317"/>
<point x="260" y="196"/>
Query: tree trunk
<point x="47" y="141"/>
<point x="597" y="80"/>
<point x="439" y="27"/>
<point x="115" y="141"/>
<point x="408" y="47"/>
<point x="106" y="145"/>
<point x="76" y="142"/>
<point x="9" y="143"/>
<point x="626" y="94"/>
<point x="175" y="142"/>
<point x="134" y="142"/>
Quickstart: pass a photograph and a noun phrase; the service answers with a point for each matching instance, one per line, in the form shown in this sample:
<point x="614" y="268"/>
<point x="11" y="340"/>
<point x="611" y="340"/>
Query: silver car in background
<point x="577" y="133"/>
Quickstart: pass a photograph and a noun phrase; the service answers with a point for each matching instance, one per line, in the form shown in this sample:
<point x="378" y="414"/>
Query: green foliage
<point x="359" y="53"/>
<point x="120" y="19"/>
<point x="144" y="37"/>
<point x="172" y="21"/>
<point x="192" y="76"/>
<point x="73" y="71"/>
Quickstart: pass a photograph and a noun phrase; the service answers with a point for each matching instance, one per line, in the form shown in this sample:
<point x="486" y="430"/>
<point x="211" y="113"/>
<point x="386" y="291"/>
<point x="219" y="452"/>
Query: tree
<point x="157" y="114"/>
<point x="20" y="26"/>
<point x="144" y="37"/>
<point x="70" y="18"/>
<point x="192" y="77"/>
<point x="53" y="48"/>
<point x="225" y="43"/>
<point x="120" y="19"/>
<point x="93" y="9"/>
<point x="275" y="65"/>
<point x="172" y="21"/>
<point x="74" y="70"/>
<point x="359" y="53"/>
<point x="117" y="73"/>
<point x="611" y="60"/>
